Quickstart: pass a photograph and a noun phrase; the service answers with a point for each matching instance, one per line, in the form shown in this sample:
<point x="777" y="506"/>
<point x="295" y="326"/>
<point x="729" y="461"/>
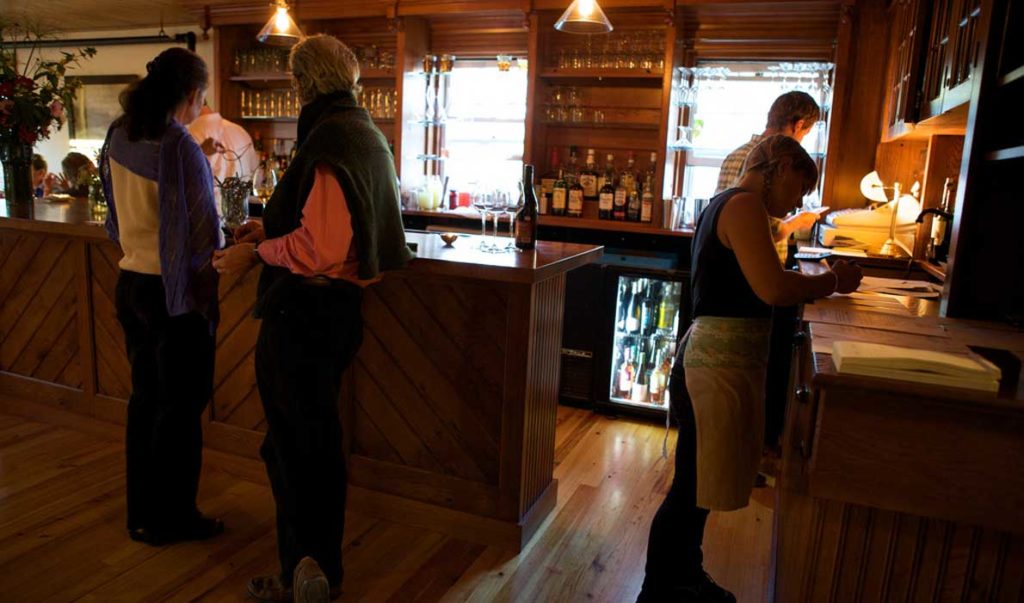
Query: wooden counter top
<point x="72" y="218"/>
<point x="464" y="258"/>
<point x="562" y="222"/>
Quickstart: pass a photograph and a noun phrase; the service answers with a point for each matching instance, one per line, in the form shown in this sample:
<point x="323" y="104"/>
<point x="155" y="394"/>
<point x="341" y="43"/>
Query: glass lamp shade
<point x="584" y="17"/>
<point x="281" y="29"/>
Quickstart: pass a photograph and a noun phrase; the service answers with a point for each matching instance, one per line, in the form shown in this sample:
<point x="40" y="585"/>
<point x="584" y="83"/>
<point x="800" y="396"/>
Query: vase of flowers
<point x="33" y="95"/>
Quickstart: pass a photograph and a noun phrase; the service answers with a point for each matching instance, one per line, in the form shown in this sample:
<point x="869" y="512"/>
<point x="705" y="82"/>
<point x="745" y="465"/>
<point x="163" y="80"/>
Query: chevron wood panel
<point x="429" y="378"/>
<point x="39" y="308"/>
<point x="235" y="399"/>
<point x="113" y="373"/>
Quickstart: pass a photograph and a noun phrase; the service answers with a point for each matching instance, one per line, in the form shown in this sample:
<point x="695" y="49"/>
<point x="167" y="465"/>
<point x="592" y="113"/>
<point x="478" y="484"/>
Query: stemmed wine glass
<point x="264" y="181"/>
<point x="482" y="202"/>
<point x="501" y="203"/>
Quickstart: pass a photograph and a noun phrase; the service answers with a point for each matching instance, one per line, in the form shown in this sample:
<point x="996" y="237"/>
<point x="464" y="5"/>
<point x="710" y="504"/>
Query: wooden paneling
<point x="39" y="307"/>
<point x="90" y="15"/>
<point x="858" y="101"/>
<point x="113" y="373"/>
<point x="235" y="399"/>
<point x="865" y="554"/>
<point x="483" y="35"/>
<point x="769" y="30"/>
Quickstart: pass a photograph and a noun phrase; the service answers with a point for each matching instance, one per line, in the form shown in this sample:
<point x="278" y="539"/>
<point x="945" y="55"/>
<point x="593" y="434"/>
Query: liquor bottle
<point x="938" y="248"/>
<point x="645" y="310"/>
<point x="526" y="218"/>
<point x="559" y="195"/>
<point x="609" y="173"/>
<point x="606" y="195"/>
<point x="575" y="199"/>
<point x="647" y="199"/>
<point x="628" y="177"/>
<point x="547" y="182"/>
<point x="572" y="171"/>
<point x="633" y="206"/>
<point x="588" y="178"/>
<point x="620" y="201"/>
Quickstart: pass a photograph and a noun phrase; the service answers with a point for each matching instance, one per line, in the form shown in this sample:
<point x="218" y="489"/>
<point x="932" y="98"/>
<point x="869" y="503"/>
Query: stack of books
<point x="920" y="366"/>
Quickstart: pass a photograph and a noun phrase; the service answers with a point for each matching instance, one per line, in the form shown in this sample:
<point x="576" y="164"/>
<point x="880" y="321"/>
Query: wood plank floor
<point x="62" y="537"/>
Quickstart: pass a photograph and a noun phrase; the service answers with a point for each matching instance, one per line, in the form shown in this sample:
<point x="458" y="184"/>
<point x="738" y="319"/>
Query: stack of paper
<point x="894" y="286"/>
<point x="920" y="366"/>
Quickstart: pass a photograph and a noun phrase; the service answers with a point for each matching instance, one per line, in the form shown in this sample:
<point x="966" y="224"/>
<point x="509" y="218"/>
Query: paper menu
<point x="913" y="364"/>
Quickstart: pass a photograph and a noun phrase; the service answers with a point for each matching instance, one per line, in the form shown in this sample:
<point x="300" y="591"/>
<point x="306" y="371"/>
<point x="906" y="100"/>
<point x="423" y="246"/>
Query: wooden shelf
<point x="563" y="222"/>
<point x="262" y="77"/>
<point x="612" y="225"/>
<point x="556" y="72"/>
<point x="953" y="121"/>
<point x="1012" y="76"/>
<point x="376" y="74"/>
<point x="604" y="125"/>
<point x="272" y="119"/>
<point x="937" y="272"/>
<point x="1016" y="152"/>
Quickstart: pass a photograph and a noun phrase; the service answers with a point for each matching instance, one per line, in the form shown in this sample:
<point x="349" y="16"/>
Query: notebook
<point x="920" y="366"/>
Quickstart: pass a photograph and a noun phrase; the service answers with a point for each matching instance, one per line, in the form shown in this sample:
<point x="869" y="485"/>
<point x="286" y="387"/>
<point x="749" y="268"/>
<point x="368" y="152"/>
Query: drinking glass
<point x="500" y="206"/>
<point x="483" y="203"/>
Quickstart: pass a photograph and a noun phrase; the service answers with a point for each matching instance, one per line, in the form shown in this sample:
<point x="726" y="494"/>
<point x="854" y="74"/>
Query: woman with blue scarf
<point x="158" y="185"/>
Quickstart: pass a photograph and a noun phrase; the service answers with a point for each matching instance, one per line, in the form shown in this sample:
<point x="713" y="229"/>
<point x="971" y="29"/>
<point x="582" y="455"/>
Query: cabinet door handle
<point x="803" y="448"/>
<point x="803" y="394"/>
<point x="800" y="338"/>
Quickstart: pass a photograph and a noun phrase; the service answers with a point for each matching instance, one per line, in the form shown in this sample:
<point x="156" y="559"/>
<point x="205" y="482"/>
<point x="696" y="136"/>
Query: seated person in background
<point x="793" y="114"/>
<point x="75" y="166"/>
<point x="40" y="183"/>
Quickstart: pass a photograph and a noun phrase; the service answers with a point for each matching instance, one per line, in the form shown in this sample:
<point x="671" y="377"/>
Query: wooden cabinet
<point x="906" y="48"/>
<point x="953" y="53"/>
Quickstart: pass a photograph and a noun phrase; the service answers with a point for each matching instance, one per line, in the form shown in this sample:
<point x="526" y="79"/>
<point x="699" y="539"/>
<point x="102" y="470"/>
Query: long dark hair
<point x="171" y="77"/>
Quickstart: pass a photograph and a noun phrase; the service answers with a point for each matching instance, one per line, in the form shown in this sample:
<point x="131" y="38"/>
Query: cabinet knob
<point x="803" y="394"/>
<point x="800" y="338"/>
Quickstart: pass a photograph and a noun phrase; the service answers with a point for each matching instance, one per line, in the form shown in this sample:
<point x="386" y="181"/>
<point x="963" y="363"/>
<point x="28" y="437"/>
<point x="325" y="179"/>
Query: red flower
<point x="24" y="82"/>
<point x="26" y="136"/>
<point x="7" y="89"/>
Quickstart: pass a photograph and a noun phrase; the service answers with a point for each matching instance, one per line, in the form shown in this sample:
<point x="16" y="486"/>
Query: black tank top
<point x="719" y="287"/>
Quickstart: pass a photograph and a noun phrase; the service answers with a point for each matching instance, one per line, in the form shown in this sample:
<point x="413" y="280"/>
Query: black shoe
<point x="703" y="590"/>
<point x="199" y="528"/>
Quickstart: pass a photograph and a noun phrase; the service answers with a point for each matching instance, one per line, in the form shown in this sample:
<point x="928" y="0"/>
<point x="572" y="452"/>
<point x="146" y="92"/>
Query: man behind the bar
<point x="330" y="228"/>
<point x="792" y="114"/>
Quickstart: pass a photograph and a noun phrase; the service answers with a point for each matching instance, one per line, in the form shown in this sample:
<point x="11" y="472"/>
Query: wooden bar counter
<point x="899" y="491"/>
<point x="449" y="409"/>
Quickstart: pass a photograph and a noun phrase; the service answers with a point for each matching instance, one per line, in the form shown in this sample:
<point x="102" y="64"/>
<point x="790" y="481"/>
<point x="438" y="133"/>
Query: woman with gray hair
<point x="718" y="380"/>
<point x="331" y="227"/>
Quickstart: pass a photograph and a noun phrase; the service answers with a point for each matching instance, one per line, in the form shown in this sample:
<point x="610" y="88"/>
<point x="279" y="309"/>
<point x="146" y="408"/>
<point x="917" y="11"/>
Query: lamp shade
<point x="584" y="17"/>
<point x="281" y="29"/>
<point x="871" y="187"/>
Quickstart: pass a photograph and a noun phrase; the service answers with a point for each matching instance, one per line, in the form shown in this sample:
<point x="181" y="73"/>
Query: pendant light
<point x="584" y="17"/>
<point x="281" y="29"/>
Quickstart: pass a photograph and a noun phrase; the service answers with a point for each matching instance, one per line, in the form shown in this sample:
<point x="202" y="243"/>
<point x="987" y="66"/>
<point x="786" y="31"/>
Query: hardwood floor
<point x="62" y="536"/>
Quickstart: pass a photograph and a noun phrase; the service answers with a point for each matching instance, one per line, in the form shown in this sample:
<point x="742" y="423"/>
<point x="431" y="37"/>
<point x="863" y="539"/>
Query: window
<point x="730" y="104"/>
<point x="486" y="126"/>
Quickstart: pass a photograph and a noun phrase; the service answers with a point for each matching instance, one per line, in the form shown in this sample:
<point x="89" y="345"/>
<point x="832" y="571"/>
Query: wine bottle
<point x="647" y="198"/>
<point x="526" y="217"/>
<point x="633" y="311"/>
<point x="575" y="199"/>
<point x="633" y="207"/>
<point x="547" y="184"/>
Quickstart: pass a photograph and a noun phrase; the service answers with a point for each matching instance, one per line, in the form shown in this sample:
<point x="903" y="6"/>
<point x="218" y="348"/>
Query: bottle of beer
<point x="526" y="218"/>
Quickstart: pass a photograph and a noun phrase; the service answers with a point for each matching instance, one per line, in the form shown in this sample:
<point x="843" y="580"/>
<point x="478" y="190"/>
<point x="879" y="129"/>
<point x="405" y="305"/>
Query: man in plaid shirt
<point x="793" y="114"/>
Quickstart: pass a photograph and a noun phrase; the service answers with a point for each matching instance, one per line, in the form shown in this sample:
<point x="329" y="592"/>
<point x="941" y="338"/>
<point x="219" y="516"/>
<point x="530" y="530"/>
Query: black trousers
<point x="674" y="555"/>
<point x="172" y="381"/>
<point x="308" y="338"/>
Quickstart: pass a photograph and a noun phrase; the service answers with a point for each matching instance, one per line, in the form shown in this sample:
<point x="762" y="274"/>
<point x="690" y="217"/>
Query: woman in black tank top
<point x="717" y="384"/>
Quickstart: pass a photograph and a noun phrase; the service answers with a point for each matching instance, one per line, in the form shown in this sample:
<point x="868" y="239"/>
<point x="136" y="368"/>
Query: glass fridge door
<point x="647" y="316"/>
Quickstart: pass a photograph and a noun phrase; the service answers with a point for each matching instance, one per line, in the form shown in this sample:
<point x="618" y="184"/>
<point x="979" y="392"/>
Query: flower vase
<point x="17" y="160"/>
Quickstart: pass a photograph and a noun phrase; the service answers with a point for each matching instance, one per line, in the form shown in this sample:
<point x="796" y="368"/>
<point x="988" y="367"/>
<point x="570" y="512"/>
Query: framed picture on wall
<point x="96" y="104"/>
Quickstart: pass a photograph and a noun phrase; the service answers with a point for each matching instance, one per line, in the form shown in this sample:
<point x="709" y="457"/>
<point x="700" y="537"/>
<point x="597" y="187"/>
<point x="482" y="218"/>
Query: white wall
<point x="117" y="60"/>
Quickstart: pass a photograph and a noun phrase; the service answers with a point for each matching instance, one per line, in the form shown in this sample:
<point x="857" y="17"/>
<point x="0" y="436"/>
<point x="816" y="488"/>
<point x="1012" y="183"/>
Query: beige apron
<point x="725" y="360"/>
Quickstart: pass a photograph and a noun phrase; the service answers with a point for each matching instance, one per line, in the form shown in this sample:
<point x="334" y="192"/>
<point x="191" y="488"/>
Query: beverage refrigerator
<point x="647" y="312"/>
